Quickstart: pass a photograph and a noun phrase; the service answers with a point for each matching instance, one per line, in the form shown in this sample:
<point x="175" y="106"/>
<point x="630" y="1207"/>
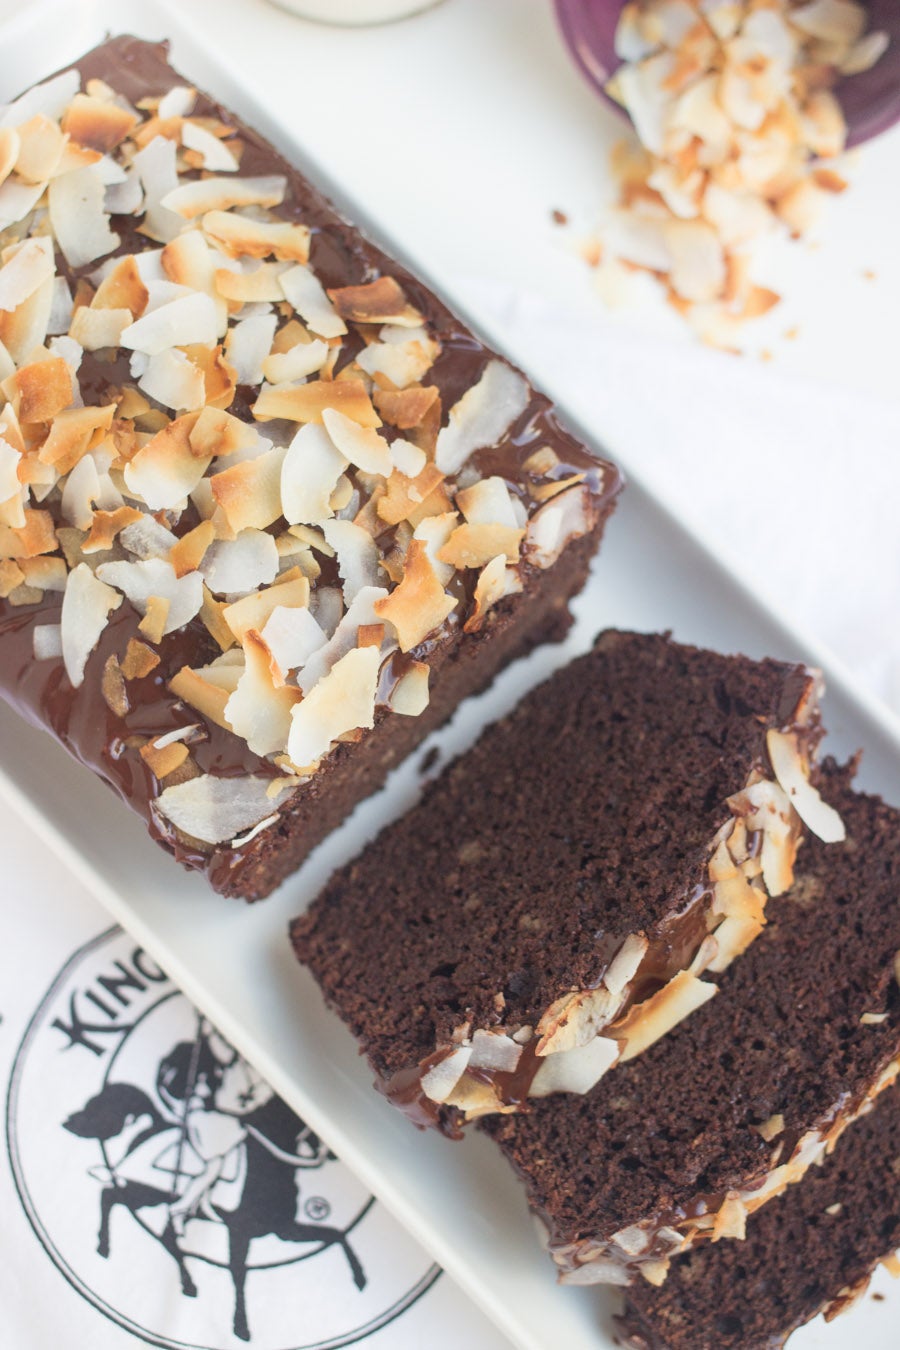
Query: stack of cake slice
<point x="644" y="841"/>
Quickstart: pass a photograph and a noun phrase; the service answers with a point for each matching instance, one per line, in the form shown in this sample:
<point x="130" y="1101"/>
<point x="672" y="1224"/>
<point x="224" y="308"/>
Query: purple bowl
<point x="871" y="101"/>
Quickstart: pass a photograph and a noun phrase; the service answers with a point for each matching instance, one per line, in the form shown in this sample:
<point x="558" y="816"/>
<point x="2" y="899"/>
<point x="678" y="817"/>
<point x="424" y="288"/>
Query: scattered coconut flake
<point x="403" y="363"/>
<point x="292" y="636"/>
<point x="305" y="358"/>
<point x="215" y="810"/>
<point x="576" y="1070"/>
<point x="647" y="1022"/>
<point x="220" y="194"/>
<point x="217" y="158"/>
<point x="311" y="469"/>
<point x="482" y="416"/>
<point x="236" y="566"/>
<point x="563" y="518"/>
<point x="362" y="446"/>
<point x="342" y="701"/>
<point x="260" y="708"/>
<point x="248" y="344"/>
<point x="94" y="329"/>
<point x="411" y="695"/>
<point x="154" y="578"/>
<point x="357" y="556"/>
<point x="50" y="99"/>
<point x="440" y="1080"/>
<point x="87" y="604"/>
<point x="156" y="168"/>
<point x="47" y="641"/>
<point x="185" y="320"/>
<point x="76" y="203"/>
<point x="419" y="604"/>
<point x="147" y="538"/>
<point x="27" y="265"/>
<point x="379" y="301"/>
<point x="789" y="769"/>
<point x="241" y="237"/>
<point x="303" y="290"/>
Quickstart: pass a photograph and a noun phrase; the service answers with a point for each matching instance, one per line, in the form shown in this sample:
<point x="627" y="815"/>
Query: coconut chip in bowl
<point x="738" y="135"/>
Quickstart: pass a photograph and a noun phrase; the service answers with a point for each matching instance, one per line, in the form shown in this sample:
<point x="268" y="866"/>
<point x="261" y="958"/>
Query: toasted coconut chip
<point x="247" y="345"/>
<point x="153" y="624"/>
<point x="624" y="965"/>
<point x="565" y="517"/>
<point x="831" y="20"/>
<point x="94" y="329"/>
<point x="342" y="701"/>
<point x="260" y="708"/>
<point x="242" y="238"/>
<point x="419" y="604"/>
<point x="9" y="151"/>
<point x="482" y="417"/>
<point x="187" y="555"/>
<point x="494" y="1052"/>
<point x="495" y="582"/>
<point x="86" y="607"/>
<point x="188" y="319"/>
<point x="41" y="146"/>
<point x="170" y="378"/>
<point x="357" y="556"/>
<point x="575" y="1070"/>
<point x="305" y="293"/>
<point x="17" y="200"/>
<point x="218" y="433"/>
<point x="345" y="635"/>
<point x="97" y="123"/>
<point x="308" y="402"/>
<point x="26" y="327"/>
<point x="865" y="54"/>
<point x="11" y="576"/>
<point x="381" y="301"/>
<point x="487" y="502"/>
<point x="697" y="269"/>
<point x="77" y="215"/>
<point x="60" y="310"/>
<point x="138" y="662"/>
<point x="214" y="810"/>
<point x="407" y="458"/>
<point x="155" y="165"/>
<point x="155" y="578"/>
<point x="47" y="641"/>
<point x="647" y="1022"/>
<point x="255" y="610"/>
<point x="236" y="566"/>
<point x="177" y="102"/>
<point x="440" y="1080"/>
<point x="202" y="694"/>
<point x="405" y="408"/>
<point x="146" y="538"/>
<point x="574" y="1020"/>
<point x="411" y="695"/>
<point x="105" y="525"/>
<point x="122" y="288"/>
<point x="477" y="545"/>
<point x="220" y="194"/>
<point x="51" y="98"/>
<point x="35" y="537"/>
<point x="82" y="488"/>
<point x="309" y="473"/>
<point x="787" y="762"/>
<point x="9" y="470"/>
<point x="216" y="156"/>
<point x="165" y="470"/>
<point x="291" y="634"/>
<point x="30" y="264"/>
<point x="262" y="282"/>
<point x="163" y="760"/>
<point x="767" y="807"/>
<point x="403" y="363"/>
<point x="305" y="358"/>
<point x="39" y="391"/>
<point x="249" y="493"/>
<point x="407" y="498"/>
<point x="361" y="445"/>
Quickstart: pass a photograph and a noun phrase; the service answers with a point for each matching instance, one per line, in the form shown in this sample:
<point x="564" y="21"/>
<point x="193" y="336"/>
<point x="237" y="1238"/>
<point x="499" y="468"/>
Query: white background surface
<point x="462" y="129"/>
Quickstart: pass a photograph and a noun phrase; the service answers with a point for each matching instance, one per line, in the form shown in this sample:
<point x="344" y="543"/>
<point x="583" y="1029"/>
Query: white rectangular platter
<point x="234" y="961"/>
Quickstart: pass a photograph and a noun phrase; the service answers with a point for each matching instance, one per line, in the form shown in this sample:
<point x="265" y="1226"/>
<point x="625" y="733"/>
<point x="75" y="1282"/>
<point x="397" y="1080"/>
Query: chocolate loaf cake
<point x="549" y="906"/>
<point x="812" y="1251"/>
<point x="268" y="510"/>
<point x="678" y="1148"/>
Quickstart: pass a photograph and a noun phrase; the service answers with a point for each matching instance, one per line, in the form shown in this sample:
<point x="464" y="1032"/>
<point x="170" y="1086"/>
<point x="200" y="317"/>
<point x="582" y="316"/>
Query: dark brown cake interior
<point x="783" y="1037"/>
<point x="572" y="822"/>
<point x="801" y="1254"/>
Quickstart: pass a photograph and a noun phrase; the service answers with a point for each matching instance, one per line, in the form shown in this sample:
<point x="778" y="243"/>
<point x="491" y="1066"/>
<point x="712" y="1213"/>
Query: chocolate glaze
<point x="340" y="255"/>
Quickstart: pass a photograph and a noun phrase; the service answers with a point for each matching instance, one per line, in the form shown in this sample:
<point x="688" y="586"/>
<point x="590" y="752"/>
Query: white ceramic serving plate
<point x="234" y="961"/>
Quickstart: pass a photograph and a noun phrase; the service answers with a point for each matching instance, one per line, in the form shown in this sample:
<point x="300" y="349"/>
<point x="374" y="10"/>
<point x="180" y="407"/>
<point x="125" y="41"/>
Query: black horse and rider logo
<point x="175" y="1145"/>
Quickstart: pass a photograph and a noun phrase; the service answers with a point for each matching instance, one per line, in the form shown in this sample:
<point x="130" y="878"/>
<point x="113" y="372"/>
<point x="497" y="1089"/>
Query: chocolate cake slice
<point x="676" y="1149"/>
<point x="812" y="1251"/>
<point x="550" y="905"/>
<point x="268" y="509"/>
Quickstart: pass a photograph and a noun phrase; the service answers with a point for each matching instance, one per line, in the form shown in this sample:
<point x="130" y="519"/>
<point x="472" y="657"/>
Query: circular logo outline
<point x="72" y="1278"/>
